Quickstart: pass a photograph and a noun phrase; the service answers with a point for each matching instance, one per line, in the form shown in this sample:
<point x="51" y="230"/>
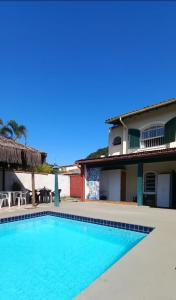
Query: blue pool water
<point x="55" y="259"/>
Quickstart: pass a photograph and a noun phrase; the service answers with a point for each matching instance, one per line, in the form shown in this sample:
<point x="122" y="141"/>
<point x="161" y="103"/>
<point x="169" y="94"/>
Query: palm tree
<point x="12" y="130"/>
<point x="5" y="130"/>
<point x="18" y="131"/>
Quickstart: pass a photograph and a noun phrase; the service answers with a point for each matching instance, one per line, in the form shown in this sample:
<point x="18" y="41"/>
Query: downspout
<point x="125" y="128"/>
<point x="122" y="122"/>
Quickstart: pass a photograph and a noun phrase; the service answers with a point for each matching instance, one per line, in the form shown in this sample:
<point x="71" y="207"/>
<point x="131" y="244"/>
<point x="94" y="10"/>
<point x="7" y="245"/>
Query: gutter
<point x="122" y="122"/>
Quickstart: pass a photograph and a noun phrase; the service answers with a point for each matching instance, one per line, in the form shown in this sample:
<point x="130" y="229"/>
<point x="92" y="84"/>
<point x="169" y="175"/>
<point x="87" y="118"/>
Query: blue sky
<point x="65" y="67"/>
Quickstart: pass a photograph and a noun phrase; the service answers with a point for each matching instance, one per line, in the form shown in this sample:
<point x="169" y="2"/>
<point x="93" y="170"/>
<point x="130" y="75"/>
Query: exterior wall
<point x="131" y="172"/>
<point x="110" y="180"/>
<point x="110" y="184"/>
<point x="41" y="180"/>
<point x="163" y="167"/>
<point x="131" y="182"/>
<point x="142" y="121"/>
<point x="113" y="132"/>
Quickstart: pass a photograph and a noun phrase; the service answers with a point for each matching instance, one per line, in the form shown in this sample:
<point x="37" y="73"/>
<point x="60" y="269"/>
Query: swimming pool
<point x="55" y="258"/>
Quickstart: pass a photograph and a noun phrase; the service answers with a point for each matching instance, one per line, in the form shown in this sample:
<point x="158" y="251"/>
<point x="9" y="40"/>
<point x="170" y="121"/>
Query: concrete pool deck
<point x="148" y="271"/>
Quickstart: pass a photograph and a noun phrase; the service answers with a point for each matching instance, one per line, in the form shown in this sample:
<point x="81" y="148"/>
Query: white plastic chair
<point x="3" y="199"/>
<point x="21" y="197"/>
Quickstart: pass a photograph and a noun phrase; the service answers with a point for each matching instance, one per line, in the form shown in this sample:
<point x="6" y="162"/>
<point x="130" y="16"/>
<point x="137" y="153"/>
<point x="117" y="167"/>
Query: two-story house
<point x="141" y="165"/>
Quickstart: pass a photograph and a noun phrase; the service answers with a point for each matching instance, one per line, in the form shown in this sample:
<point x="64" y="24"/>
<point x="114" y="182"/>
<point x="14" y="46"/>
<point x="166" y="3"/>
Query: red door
<point x="75" y="186"/>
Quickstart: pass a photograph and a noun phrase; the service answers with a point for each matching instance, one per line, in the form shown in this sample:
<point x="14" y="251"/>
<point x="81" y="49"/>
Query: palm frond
<point x="22" y="130"/>
<point x="14" y="126"/>
<point x="6" y="131"/>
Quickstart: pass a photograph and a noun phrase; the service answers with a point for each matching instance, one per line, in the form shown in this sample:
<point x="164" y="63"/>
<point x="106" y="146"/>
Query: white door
<point x="163" y="190"/>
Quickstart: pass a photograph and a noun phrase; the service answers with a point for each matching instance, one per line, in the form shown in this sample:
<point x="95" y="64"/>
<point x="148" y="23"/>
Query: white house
<point x="141" y="165"/>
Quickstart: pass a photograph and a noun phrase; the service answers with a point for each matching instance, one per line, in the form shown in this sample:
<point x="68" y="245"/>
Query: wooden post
<point x="3" y="179"/>
<point x="33" y="188"/>
<point x="140" y="184"/>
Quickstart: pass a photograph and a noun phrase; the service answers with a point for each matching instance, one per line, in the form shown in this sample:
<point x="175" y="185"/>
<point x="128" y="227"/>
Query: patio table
<point x="45" y="195"/>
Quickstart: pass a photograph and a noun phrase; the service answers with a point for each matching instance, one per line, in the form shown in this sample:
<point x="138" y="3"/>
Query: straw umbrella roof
<point x="15" y="154"/>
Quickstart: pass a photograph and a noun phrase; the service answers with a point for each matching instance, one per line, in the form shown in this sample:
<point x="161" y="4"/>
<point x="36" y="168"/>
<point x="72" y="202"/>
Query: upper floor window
<point x="152" y="137"/>
<point x="117" y="140"/>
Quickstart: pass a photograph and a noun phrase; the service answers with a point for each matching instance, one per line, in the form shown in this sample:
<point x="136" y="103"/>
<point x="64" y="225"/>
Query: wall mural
<point x="93" y="183"/>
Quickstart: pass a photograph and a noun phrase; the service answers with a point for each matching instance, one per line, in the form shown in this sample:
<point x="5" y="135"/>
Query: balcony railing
<point x="152" y="142"/>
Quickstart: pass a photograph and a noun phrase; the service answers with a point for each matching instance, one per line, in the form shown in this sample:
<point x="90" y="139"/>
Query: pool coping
<point x="108" y="223"/>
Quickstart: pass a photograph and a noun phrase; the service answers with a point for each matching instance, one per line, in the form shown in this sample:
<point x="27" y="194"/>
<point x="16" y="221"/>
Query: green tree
<point x="98" y="153"/>
<point x="45" y="168"/>
<point x="13" y="130"/>
<point x="18" y="131"/>
<point x="5" y="130"/>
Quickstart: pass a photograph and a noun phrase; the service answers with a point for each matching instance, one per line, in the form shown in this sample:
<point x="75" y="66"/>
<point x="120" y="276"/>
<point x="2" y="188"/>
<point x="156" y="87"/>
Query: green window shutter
<point x="134" y="138"/>
<point x="170" y="131"/>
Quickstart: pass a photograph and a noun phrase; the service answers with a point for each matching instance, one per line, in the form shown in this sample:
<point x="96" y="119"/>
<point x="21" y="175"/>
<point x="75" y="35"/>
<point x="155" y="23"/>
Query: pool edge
<point x="108" y="223"/>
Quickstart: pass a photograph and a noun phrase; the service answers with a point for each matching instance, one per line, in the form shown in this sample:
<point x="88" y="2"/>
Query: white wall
<point x="131" y="182"/>
<point x="41" y="180"/>
<point x="110" y="184"/>
<point x="147" y="119"/>
<point x="113" y="132"/>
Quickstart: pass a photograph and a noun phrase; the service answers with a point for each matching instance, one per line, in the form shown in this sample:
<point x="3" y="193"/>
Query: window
<point x="133" y="138"/>
<point x="152" y="137"/>
<point x="117" y="140"/>
<point x="150" y="183"/>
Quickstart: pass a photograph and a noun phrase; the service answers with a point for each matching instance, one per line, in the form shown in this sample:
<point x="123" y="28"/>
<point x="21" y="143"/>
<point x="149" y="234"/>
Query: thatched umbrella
<point x="14" y="155"/>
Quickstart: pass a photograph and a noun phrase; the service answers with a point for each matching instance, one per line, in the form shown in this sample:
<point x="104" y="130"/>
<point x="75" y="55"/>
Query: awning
<point x="15" y="154"/>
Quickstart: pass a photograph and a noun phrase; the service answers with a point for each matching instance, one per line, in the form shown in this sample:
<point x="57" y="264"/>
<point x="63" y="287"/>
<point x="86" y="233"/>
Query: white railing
<point x="152" y="142"/>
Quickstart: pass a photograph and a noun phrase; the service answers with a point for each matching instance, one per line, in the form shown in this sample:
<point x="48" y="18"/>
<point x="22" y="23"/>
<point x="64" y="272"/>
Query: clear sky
<point x="65" y="67"/>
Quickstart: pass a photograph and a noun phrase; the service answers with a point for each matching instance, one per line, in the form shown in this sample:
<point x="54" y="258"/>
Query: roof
<point x="65" y="166"/>
<point x="72" y="173"/>
<point x="116" y="120"/>
<point x="132" y="158"/>
<point x="14" y="153"/>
